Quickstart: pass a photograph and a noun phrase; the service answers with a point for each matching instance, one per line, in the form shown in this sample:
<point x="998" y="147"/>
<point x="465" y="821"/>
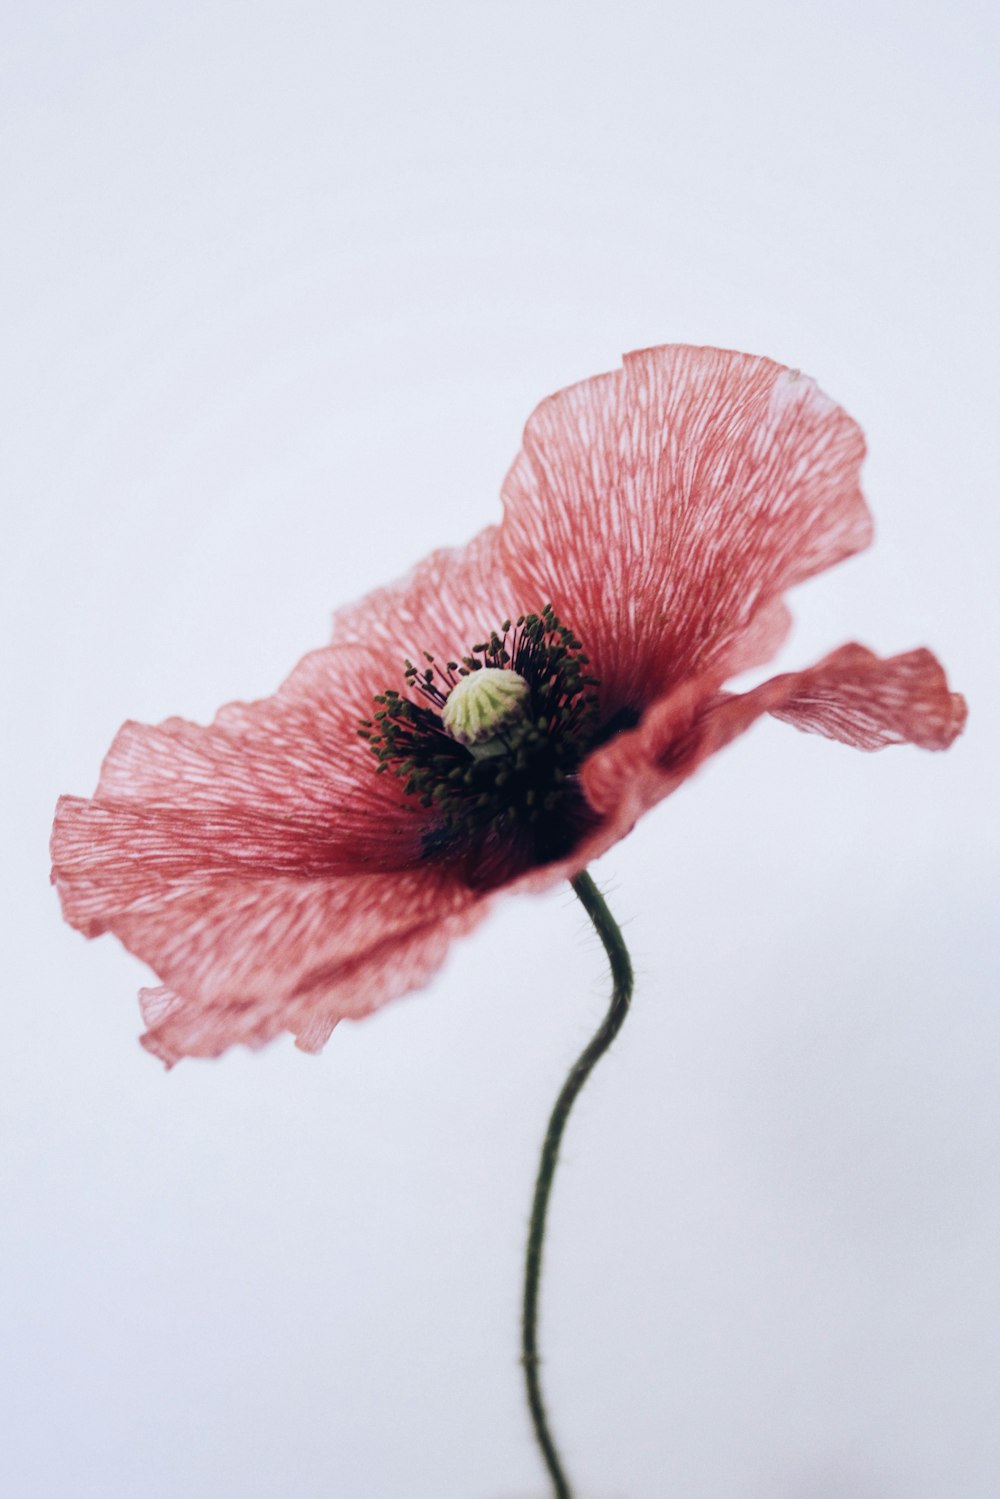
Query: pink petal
<point x="249" y="862"/>
<point x="661" y="506"/>
<point x="284" y="783"/>
<point x="110" y="859"/>
<point x="445" y="605"/>
<point x="851" y="695"/>
<point x="243" y="962"/>
<point x="861" y="700"/>
<point x="415" y="932"/>
<point x="182" y="906"/>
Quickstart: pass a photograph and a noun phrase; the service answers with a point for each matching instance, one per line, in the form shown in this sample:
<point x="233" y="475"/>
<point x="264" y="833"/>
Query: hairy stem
<point x="621" y="994"/>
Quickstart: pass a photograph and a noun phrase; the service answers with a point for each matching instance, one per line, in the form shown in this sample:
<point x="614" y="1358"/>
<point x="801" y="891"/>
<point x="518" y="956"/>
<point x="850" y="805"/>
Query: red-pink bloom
<point x="274" y="881"/>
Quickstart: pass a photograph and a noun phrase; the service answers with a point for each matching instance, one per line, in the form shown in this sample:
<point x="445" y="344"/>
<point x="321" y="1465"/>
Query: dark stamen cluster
<point x="530" y="787"/>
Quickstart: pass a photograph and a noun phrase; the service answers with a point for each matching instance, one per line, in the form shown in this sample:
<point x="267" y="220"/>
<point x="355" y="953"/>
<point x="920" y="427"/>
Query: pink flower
<point x="275" y="880"/>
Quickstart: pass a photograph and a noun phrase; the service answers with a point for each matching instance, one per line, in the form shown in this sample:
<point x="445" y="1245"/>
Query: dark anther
<point x="520" y="804"/>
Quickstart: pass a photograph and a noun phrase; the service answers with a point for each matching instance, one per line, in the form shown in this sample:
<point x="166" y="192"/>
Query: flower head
<point x="500" y="717"/>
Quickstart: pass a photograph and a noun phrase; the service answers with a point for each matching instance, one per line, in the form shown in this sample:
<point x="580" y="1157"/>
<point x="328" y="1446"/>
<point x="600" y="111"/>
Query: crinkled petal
<point x="109" y="859"/>
<point x="316" y="966"/>
<point x="448" y="603"/>
<point x="851" y="695"/>
<point x="662" y="506"/>
<point x="225" y="865"/>
<point x="856" y="697"/>
<point x="259" y="865"/>
<point x="243" y="960"/>
<point x="285" y="782"/>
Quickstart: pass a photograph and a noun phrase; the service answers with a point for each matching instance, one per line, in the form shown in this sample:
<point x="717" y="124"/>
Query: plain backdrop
<point x="282" y="283"/>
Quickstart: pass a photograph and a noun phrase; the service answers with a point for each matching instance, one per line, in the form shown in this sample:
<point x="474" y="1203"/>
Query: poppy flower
<point x="499" y="718"/>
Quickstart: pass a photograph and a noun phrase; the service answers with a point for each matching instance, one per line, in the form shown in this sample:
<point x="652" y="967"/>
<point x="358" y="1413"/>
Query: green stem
<point x="621" y="973"/>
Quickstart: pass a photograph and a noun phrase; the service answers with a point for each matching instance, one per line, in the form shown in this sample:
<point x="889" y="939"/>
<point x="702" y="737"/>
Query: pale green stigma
<point x="482" y="706"/>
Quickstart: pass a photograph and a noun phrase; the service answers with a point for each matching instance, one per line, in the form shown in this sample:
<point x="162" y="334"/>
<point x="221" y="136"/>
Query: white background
<point x="284" y="282"/>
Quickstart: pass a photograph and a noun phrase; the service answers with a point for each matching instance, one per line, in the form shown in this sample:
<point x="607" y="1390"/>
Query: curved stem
<point x="621" y="974"/>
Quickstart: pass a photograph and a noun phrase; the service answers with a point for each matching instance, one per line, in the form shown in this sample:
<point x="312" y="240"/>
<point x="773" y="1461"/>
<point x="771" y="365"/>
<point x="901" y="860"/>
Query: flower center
<point x="482" y="706"/>
<point x="493" y="743"/>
